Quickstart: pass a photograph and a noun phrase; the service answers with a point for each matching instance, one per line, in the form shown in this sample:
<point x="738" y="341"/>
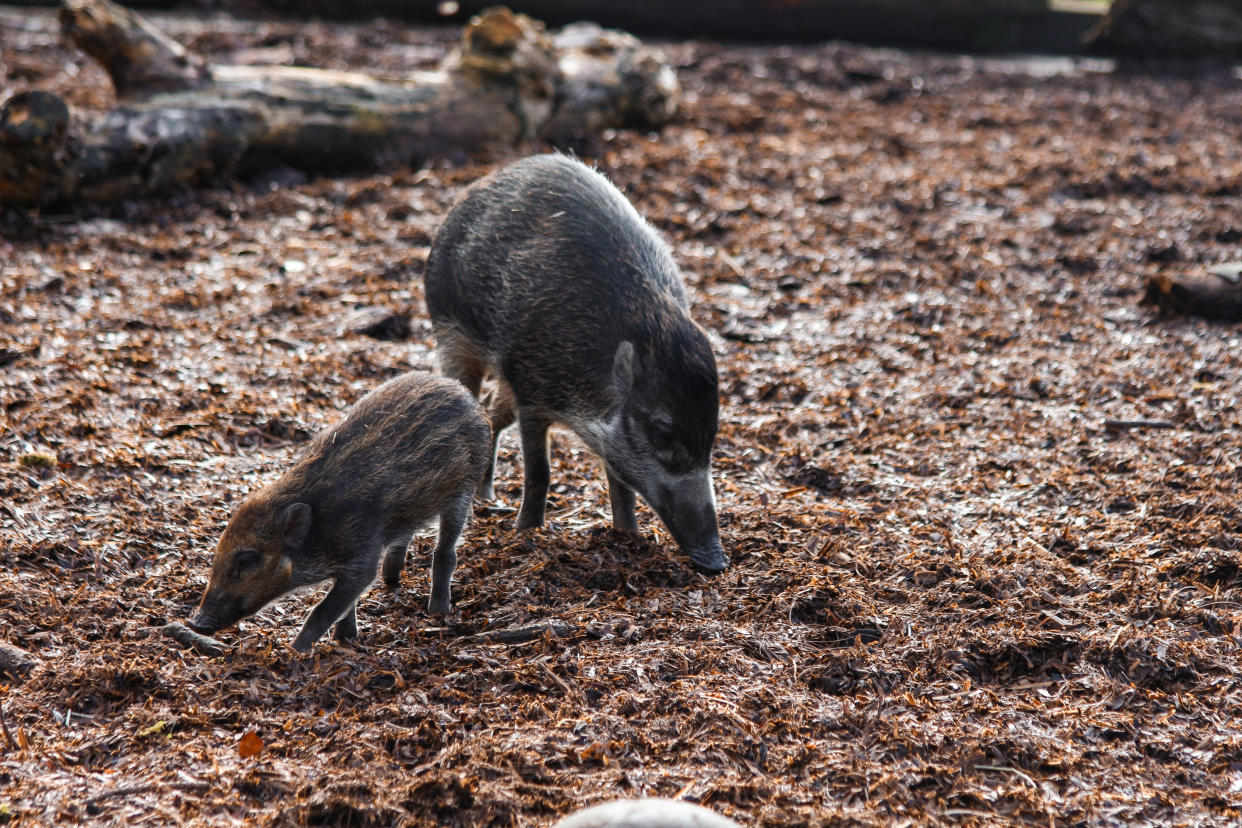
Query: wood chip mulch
<point x="983" y="507"/>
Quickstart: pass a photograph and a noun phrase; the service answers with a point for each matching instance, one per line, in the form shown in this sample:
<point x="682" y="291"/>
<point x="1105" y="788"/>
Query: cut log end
<point x="34" y="118"/>
<point x="34" y="126"/>
<point x="500" y="47"/>
<point x="610" y="79"/>
<point x="139" y="58"/>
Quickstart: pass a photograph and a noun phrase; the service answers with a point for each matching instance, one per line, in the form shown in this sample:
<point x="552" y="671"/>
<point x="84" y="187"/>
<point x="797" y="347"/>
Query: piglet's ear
<point x="295" y="524"/>
<point x="623" y="370"/>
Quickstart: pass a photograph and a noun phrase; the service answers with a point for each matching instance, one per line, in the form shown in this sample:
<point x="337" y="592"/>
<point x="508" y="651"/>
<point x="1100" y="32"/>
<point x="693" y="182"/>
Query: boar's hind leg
<point x="621" y="498"/>
<point x="535" y="472"/>
<point x="502" y="412"/>
<point x="335" y="606"/>
<point x="394" y="562"/>
<point x="444" y="559"/>
<point x="347" y="627"/>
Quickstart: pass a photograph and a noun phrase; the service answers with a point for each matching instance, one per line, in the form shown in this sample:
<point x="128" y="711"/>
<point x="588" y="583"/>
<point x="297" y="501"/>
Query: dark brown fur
<point x="410" y="451"/>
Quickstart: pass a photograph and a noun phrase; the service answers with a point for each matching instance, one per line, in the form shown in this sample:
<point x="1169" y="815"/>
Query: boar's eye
<point x="660" y="429"/>
<point x="244" y="559"/>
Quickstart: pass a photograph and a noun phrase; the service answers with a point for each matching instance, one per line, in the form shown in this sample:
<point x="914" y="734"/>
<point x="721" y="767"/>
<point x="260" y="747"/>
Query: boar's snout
<point x="710" y="558"/>
<point x="688" y="508"/>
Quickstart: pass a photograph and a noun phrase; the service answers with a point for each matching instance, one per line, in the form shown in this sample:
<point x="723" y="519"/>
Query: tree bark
<point x="180" y="121"/>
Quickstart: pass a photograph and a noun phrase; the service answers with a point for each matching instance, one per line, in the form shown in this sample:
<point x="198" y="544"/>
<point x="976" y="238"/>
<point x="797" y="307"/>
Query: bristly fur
<point x="524" y="313"/>
<point x="402" y="452"/>
<point x="545" y="277"/>
<point x="410" y="451"/>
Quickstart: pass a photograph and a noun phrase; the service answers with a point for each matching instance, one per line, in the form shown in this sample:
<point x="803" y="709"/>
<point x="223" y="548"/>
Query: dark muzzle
<point x="710" y="558"/>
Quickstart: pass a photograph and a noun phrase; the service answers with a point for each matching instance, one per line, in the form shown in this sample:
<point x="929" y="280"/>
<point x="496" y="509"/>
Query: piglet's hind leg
<point x="394" y="562"/>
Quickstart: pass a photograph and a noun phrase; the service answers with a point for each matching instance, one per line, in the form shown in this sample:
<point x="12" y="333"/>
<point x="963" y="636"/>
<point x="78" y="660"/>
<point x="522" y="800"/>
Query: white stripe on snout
<point x="595" y="432"/>
<point x="598" y="433"/>
<point x="691" y="480"/>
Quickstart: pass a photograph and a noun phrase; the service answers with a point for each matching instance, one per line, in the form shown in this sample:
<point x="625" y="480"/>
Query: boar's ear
<point x="623" y="370"/>
<point x="295" y="524"/>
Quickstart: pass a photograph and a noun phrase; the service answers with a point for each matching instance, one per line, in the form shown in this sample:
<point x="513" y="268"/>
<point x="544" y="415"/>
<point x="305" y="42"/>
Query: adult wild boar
<point x="545" y="277"/>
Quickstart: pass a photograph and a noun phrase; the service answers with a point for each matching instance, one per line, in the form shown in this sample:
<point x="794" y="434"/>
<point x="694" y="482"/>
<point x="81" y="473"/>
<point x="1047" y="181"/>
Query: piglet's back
<point x="413" y="438"/>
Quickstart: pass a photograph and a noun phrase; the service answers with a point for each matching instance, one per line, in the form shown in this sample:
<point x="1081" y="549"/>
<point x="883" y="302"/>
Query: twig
<point x="127" y="790"/>
<point x="8" y="736"/>
<point x="147" y="787"/>
<point x="1002" y="769"/>
<point x="1129" y="425"/>
<point x="185" y="636"/>
<point x="517" y="635"/>
<point x="568" y="690"/>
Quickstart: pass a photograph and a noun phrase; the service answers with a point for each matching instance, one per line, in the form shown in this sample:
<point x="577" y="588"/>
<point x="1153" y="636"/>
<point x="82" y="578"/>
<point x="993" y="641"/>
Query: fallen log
<point x="1216" y="294"/>
<point x="986" y="25"/>
<point x="180" y="121"/>
<point x="1170" y="28"/>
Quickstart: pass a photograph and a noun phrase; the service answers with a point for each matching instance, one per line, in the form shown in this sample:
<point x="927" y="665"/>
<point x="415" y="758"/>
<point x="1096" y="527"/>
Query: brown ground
<point x="957" y="596"/>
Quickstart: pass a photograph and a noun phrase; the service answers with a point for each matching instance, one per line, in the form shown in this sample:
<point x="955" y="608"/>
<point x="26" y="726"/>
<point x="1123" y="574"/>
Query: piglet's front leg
<point x="335" y="606"/>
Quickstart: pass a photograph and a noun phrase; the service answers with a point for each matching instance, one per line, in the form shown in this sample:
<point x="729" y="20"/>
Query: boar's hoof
<point x="302" y="647"/>
<point x="710" y="559"/>
<point x="435" y="607"/>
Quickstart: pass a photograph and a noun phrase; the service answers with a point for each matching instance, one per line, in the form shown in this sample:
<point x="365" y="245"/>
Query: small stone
<point x="1164" y="253"/>
<point x="646" y="813"/>
<point x="37" y="460"/>
<point x="15" y="662"/>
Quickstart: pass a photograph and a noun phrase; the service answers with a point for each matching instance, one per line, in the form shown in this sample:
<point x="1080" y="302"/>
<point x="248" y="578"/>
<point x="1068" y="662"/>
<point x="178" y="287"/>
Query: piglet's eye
<point x="245" y="559"/>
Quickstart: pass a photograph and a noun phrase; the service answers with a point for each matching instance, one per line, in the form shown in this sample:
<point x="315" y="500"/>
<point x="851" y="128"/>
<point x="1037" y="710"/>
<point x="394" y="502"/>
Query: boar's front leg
<point x="337" y="605"/>
<point x="621" y="498"/>
<point x="536" y="475"/>
<point x="444" y="559"/>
